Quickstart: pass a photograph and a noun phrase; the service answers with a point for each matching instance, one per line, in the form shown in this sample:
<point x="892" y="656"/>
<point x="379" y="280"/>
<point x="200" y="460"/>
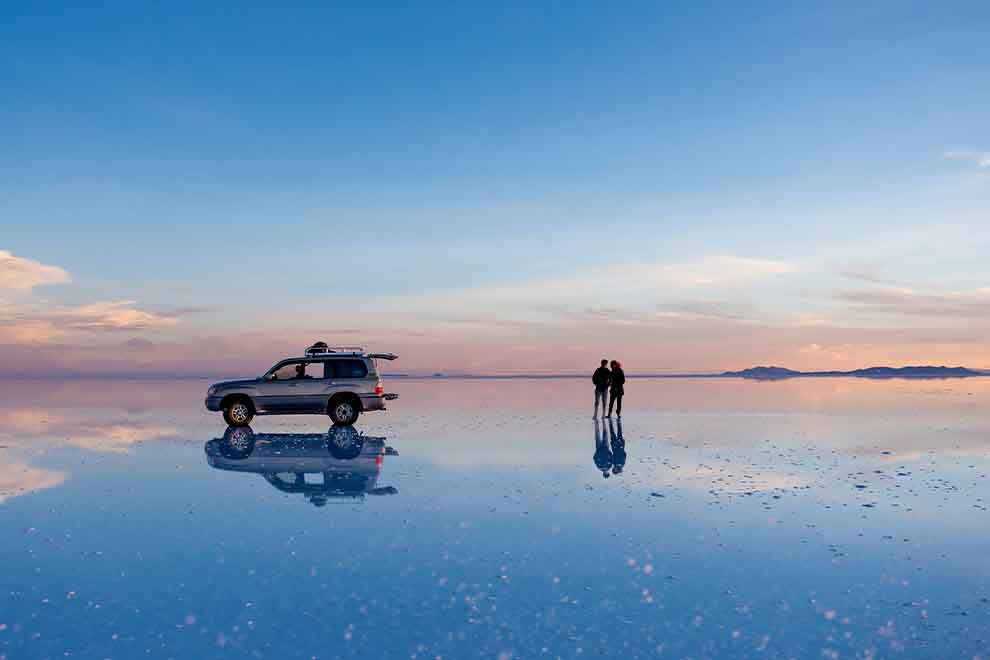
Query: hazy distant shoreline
<point x="760" y="373"/>
<point x="754" y="373"/>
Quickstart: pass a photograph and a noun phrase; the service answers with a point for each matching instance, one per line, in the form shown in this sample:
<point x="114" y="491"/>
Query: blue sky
<point x="499" y="181"/>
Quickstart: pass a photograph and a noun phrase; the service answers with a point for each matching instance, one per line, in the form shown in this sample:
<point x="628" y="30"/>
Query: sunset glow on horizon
<point x="544" y="327"/>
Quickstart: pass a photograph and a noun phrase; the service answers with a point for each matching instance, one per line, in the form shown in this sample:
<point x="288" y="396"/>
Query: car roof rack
<point x="321" y="348"/>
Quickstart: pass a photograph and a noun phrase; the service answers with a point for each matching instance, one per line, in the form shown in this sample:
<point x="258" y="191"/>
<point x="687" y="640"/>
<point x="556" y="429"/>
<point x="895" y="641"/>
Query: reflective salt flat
<point x="721" y="519"/>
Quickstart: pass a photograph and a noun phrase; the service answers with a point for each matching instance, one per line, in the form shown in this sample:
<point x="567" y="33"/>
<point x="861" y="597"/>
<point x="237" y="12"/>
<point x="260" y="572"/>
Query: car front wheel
<point x="344" y="411"/>
<point x="238" y="413"/>
<point x="237" y="442"/>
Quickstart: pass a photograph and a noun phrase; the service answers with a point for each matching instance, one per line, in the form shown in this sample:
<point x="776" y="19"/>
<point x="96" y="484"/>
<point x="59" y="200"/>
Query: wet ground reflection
<point x="718" y="519"/>
<point x="321" y="466"/>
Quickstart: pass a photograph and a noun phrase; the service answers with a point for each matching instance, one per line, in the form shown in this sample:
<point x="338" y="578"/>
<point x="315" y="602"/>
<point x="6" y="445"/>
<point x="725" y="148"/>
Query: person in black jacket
<point x="618" y="380"/>
<point x="601" y="379"/>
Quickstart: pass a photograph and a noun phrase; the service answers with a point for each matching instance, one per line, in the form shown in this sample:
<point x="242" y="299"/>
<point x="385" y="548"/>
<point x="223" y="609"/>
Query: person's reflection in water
<point x="603" y="455"/>
<point x="618" y="446"/>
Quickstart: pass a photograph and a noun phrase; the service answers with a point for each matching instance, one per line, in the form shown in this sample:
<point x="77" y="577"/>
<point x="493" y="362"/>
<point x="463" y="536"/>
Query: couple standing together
<point x="609" y="381"/>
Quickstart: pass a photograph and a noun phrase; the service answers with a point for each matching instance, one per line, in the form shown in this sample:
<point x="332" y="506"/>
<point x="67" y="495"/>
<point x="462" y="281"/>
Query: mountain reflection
<point x="341" y="463"/>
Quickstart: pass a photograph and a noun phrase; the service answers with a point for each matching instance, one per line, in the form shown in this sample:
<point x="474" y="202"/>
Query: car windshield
<point x="298" y="371"/>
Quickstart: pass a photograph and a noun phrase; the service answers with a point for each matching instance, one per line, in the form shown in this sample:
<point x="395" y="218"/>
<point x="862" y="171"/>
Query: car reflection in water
<point x="341" y="463"/>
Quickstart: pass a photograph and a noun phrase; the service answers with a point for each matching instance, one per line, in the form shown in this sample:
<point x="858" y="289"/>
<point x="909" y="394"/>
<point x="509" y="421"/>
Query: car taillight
<point x="379" y="389"/>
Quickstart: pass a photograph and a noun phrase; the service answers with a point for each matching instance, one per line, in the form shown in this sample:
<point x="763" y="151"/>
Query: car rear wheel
<point x="238" y="413"/>
<point x="344" y="442"/>
<point x="343" y="411"/>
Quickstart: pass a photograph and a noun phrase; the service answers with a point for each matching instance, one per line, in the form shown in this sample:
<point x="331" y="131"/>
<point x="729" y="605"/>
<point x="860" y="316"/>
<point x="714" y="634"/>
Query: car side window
<point x="298" y="371"/>
<point x="285" y="372"/>
<point x="347" y="368"/>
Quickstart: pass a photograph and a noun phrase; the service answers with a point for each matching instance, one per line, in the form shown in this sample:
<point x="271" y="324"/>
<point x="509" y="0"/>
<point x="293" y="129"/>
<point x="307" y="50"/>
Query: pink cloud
<point x="20" y="274"/>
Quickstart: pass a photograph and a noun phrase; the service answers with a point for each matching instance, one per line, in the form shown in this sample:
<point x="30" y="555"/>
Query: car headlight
<point x="213" y="390"/>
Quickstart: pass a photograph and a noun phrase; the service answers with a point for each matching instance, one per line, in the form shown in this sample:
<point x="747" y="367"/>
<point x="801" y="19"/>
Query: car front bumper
<point x="213" y="403"/>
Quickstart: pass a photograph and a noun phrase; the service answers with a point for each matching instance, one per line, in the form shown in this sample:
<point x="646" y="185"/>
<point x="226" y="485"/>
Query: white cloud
<point x="979" y="158"/>
<point x="21" y="274"/>
<point x="113" y="315"/>
<point x="39" y="324"/>
<point x="868" y="272"/>
<point x="710" y="272"/>
<point x="904" y="301"/>
<point x="726" y="310"/>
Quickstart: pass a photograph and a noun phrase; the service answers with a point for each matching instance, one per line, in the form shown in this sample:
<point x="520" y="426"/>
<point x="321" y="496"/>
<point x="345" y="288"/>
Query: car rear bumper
<point x="213" y="403"/>
<point x="376" y="401"/>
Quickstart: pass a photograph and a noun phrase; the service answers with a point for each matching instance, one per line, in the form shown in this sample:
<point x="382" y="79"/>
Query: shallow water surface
<point x="494" y="518"/>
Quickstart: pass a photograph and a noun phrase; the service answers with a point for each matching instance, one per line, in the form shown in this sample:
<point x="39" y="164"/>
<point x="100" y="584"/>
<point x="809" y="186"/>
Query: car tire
<point x="238" y="412"/>
<point x="344" y="443"/>
<point x="237" y="442"/>
<point x="343" y="410"/>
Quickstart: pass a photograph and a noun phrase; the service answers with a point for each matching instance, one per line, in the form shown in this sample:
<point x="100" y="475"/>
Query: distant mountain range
<point x="779" y="373"/>
<point x="754" y="373"/>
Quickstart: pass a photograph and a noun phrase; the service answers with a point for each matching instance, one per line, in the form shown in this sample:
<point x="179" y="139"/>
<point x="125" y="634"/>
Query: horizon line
<point x="796" y="373"/>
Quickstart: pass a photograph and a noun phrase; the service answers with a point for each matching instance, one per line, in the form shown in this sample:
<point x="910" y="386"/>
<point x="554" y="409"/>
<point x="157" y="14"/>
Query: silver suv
<point x="341" y="382"/>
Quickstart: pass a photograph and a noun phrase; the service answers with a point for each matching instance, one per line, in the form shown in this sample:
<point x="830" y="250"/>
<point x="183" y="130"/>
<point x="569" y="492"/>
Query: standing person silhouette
<point x="618" y="380"/>
<point x="602" y="378"/>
